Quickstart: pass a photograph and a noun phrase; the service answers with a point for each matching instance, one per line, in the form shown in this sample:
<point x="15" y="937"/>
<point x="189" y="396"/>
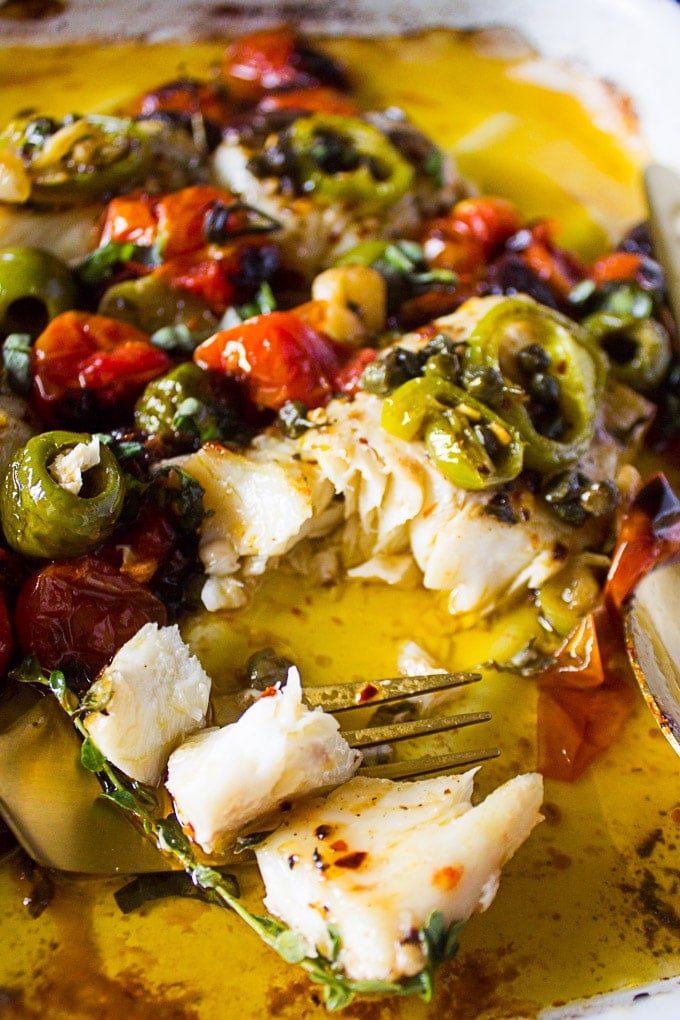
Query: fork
<point x="52" y="804"/>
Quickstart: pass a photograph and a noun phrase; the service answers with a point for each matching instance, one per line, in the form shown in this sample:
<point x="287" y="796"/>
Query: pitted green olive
<point x="35" y="286"/>
<point x="44" y="518"/>
<point x="150" y="303"/>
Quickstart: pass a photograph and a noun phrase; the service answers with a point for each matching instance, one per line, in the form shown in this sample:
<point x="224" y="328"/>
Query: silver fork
<point x="338" y="698"/>
<point x="52" y="804"/>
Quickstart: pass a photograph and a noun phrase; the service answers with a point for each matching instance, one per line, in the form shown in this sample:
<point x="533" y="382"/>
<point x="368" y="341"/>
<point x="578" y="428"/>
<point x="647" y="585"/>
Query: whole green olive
<point x="184" y="405"/>
<point x="44" y="518"/>
<point x="35" y="286"/>
<point x="149" y="303"/>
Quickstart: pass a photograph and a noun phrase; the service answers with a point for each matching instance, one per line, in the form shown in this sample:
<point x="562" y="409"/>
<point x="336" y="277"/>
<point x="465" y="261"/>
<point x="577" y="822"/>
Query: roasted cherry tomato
<point x="186" y="97"/>
<point x="277" y="59"/>
<point x="649" y="536"/>
<point x="177" y="222"/>
<point x="584" y="700"/>
<point x="83" y="361"/>
<point x="489" y="221"/>
<point x="78" y="613"/>
<point x="278" y="357"/>
<point x="616" y="266"/>
<point x="467" y="237"/>
<point x="311" y="100"/>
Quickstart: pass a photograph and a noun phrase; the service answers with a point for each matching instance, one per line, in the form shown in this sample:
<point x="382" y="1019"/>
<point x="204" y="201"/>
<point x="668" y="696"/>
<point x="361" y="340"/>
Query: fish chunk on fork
<point x="52" y="804"/>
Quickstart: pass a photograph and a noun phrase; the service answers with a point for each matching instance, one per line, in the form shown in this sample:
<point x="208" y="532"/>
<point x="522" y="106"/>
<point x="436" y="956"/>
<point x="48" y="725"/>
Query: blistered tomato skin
<point x="81" y="354"/>
<point x="278" y="357"/>
<point x="274" y="59"/>
<point x="41" y="519"/>
<point x="77" y="614"/>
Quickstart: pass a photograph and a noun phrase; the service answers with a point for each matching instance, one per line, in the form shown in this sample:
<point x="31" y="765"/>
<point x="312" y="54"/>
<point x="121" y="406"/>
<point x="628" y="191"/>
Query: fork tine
<point x="428" y="764"/>
<point x="372" y="736"/>
<point x="339" y="697"/>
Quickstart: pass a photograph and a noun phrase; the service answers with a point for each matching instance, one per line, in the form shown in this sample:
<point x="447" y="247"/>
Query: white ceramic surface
<point x="633" y="43"/>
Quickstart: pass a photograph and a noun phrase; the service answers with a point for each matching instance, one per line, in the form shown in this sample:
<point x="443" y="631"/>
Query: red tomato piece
<point x="584" y="699"/>
<point x="576" y="727"/>
<point x="617" y="265"/>
<point x="313" y="100"/>
<point x="560" y="269"/>
<point x="81" y="351"/>
<point x="347" y="378"/>
<point x="176" y="220"/>
<point x="278" y="357"/>
<point x="208" y="277"/>
<point x="488" y="220"/>
<point x="649" y="535"/>
<point x="130" y="219"/>
<point x="260" y="61"/>
<point x="276" y="59"/>
<point x="181" y="217"/>
<point x="80" y="612"/>
<point x="188" y="97"/>
<point x="141" y="548"/>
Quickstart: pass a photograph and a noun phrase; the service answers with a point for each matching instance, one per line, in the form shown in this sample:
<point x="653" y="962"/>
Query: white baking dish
<point x="633" y="43"/>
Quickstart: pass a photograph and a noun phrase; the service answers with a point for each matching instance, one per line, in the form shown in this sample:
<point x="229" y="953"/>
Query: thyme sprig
<point x="438" y="941"/>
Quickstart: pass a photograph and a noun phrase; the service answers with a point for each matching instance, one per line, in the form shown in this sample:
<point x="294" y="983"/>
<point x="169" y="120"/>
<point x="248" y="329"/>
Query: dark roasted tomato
<point x="87" y="368"/>
<point x="279" y="358"/>
<point x="186" y="97"/>
<point x="277" y="59"/>
<point x="75" y="615"/>
<point x="649" y="535"/>
<point x="470" y="234"/>
<point x="6" y="636"/>
<point x="221" y="278"/>
<point x="312" y="100"/>
<point x="554" y="267"/>
<point x="176" y="221"/>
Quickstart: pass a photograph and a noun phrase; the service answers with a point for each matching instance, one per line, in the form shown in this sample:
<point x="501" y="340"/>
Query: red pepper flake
<point x="339" y="846"/>
<point x="448" y="878"/>
<point x="367" y="693"/>
<point x="352" y="861"/>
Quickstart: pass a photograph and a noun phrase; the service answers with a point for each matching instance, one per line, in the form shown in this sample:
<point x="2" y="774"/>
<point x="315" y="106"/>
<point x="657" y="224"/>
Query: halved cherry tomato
<point x="560" y="269"/>
<point x="490" y="221"/>
<point x="278" y="357"/>
<point x="130" y="218"/>
<point x="187" y="97"/>
<point x="617" y="265"/>
<point x="584" y="700"/>
<point x="81" y="352"/>
<point x="176" y="221"/>
<point x="469" y="235"/>
<point x="77" y="614"/>
<point x="275" y="59"/>
<point x="649" y="535"/>
<point x="141" y="548"/>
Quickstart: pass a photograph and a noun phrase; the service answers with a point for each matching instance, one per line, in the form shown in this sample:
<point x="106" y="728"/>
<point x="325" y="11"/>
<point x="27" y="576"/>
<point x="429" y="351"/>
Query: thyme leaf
<point x="197" y="879"/>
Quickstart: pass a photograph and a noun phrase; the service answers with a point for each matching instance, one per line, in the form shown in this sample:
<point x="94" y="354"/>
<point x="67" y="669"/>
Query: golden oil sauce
<point x="591" y="903"/>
